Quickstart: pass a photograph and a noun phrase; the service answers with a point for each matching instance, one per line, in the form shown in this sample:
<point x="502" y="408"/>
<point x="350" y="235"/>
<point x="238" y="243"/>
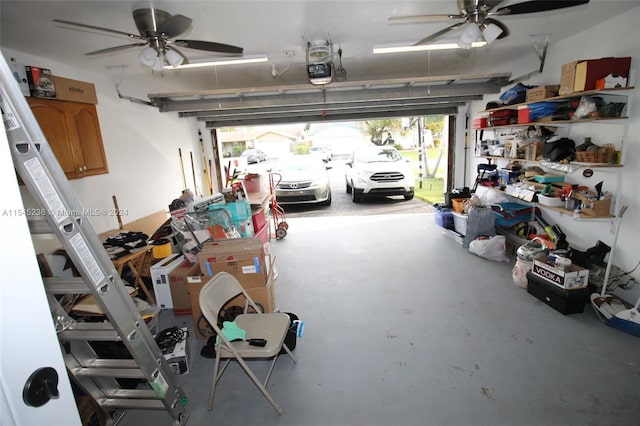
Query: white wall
<point x="141" y="145"/>
<point x="610" y="39"/>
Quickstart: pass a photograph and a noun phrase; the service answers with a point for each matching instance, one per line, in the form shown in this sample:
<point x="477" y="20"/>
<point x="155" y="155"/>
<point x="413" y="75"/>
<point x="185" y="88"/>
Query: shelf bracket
<point x="541" y="47"/>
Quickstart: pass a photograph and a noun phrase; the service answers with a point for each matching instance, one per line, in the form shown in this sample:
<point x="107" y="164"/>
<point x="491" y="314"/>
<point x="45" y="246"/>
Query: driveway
<point x="342" y="205"/>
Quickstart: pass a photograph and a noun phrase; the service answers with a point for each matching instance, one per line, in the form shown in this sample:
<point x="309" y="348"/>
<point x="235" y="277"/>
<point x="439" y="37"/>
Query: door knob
<point x="41" y="386"/>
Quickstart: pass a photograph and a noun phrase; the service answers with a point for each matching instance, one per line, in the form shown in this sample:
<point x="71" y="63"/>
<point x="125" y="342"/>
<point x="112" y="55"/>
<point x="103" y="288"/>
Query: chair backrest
<point x="217" y="292"/>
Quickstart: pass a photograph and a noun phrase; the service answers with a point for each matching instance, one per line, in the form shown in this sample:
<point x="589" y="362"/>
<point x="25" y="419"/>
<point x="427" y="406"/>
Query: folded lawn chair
<point x="264" y="337"/>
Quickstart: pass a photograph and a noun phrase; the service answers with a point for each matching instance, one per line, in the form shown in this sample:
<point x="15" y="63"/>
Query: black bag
<point x="292" y="334"/>
<point x="560" y="149"/>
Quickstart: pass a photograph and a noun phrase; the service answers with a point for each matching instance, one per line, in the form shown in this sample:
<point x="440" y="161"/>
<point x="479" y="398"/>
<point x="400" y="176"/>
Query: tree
<point x="435" y="123"/>
<point x="379" y="131"/>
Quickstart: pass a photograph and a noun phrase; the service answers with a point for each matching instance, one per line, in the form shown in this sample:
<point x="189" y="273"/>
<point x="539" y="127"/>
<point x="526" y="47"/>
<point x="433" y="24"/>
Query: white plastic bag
<point x="519" y="272"/>
<point x="493" y="248"/>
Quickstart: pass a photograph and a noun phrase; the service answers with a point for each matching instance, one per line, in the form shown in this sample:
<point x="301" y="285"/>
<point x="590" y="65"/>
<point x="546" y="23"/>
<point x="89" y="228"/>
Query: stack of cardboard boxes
<point x="248" y="261"/>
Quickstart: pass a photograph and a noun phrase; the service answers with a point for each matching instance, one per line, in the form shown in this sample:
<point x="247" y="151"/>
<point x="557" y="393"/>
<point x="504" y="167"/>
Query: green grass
<point x="432" y="189"/>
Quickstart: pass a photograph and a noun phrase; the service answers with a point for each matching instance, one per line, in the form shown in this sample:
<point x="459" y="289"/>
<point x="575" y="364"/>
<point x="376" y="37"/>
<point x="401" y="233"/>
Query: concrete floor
<point x="405" y="327"/>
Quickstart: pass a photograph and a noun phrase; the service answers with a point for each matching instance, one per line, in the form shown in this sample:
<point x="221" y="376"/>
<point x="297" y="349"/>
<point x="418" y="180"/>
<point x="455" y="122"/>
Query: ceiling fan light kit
<point x="477" y="20"/>
<point x="491" y="32"/>
<point x="470" y="33"/>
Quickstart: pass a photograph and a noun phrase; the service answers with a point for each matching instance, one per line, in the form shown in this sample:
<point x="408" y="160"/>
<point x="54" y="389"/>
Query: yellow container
<point x="161" y="248"/>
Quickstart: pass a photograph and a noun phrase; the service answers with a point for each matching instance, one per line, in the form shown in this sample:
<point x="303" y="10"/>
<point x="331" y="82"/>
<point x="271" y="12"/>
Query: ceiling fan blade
<point x="537" y="6"/>
<point x="416" y="19"/>
<point x="208" y="46"/>
<point x="93" y="27"/>
<point x="174" y="26"/>
<point x="503" y="27"/>
<point x="115" y="49"/>
<point x="440" y="33"/>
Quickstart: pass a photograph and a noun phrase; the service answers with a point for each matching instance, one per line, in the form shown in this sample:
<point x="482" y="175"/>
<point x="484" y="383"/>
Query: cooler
<point x="562" y="300"/>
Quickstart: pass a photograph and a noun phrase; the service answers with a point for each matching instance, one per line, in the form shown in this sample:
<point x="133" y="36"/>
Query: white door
<point x="28" y="340"/>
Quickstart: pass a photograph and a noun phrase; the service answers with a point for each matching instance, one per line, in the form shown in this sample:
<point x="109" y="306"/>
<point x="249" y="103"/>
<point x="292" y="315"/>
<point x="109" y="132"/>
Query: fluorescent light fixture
<point x="245" y="59"/>
<point x="437" y="46"/>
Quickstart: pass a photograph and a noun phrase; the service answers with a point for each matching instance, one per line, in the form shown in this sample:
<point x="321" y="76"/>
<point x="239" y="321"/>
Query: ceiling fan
<point x="156" y="30"/>
<point x="477" y="20"/>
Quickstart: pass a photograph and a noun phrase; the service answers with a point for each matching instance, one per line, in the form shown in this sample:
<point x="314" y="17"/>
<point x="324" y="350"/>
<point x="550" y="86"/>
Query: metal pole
<point x="420" y="149"/>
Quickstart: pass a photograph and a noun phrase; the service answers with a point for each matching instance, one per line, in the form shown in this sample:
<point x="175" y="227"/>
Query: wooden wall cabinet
<point x="73" y="132"/>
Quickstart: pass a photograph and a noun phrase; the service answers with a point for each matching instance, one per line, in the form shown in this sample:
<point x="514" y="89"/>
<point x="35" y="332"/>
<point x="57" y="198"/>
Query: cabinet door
<point x="73" y="132"/>
<point x="51" y="118"/>
<point x="83" y="118"/>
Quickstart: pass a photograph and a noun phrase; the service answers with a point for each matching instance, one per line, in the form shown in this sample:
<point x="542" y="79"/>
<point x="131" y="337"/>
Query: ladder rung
<point x="111" y="363"/>
<point x="102" y="331"/>
<point x="132" y="393"/>
<point x="123" y="373"/>
<point x="57" y="285"/>
<point x="39" y="227"/>
<point x="148" y="404"/>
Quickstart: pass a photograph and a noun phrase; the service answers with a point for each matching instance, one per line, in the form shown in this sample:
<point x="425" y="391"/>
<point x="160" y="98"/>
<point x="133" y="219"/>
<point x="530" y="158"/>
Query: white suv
<point x="379" y="171"/>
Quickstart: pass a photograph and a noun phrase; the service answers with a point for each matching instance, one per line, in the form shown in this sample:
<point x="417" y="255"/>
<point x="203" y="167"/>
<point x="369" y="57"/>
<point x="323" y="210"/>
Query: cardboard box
<point x="597" y="208"/>
<point x="178" y="359"/>
<point x="263" y="296"/>
<point x="178" y="286"/>
<point x="41" y="84"/>
<point x="590" y="71"/>
<point x="541" y="93"/>
<point x="75" y="90"/>
<point x="232" y="249"/>
<point x="533" y="150"/>
<point x="250" y="271"/>
<point x="575" y="277"/>
<point x="567" y="78"/>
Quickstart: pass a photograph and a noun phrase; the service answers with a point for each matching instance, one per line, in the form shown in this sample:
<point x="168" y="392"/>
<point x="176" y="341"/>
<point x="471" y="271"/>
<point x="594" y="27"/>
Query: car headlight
<point x="319" y="182"/>
<point x="363" y="174"/>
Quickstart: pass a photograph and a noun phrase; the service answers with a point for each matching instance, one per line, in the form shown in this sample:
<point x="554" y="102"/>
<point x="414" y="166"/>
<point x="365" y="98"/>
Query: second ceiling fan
<point x="476" y="17"/>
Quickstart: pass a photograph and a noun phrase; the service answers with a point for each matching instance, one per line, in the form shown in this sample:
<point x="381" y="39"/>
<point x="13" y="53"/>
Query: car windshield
<point x="316" y="148"/>
<point x="378" y="155"/>
<point x="300" y="163"/>
<point x="248" y="153"/>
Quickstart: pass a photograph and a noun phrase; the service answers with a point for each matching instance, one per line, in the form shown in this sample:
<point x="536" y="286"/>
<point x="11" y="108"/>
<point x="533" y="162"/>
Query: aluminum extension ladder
<point x="100" y="378"/>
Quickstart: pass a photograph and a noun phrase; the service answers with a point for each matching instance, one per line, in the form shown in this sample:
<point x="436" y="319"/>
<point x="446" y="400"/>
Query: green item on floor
<point x="232" y="332"/>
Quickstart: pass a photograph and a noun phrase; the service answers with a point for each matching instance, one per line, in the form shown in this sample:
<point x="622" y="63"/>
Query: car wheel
<point x="346" y="182"/>
<point x="327" y="202"/>
<point x="408" y="196"/>
<point x="355" y="197"/>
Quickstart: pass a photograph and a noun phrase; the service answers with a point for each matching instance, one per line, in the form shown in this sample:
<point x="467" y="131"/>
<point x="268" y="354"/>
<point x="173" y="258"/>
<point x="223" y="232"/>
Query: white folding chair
<point x="272" y="327"/>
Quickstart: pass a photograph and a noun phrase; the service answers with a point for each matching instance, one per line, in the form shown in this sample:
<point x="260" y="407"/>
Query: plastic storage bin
<point x="460" y="223"/>
<point x="444" y="218"/>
